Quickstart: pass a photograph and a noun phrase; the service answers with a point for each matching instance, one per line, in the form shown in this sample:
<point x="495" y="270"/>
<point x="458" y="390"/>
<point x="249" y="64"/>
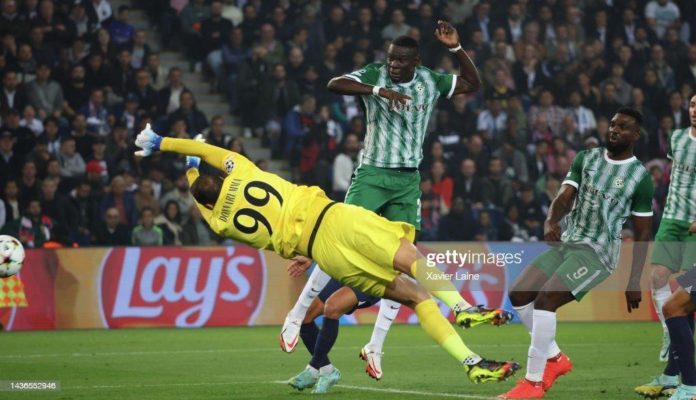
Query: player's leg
<point x="678" y="311"/>
<point x="293" y="321"/>
<point x="580" y="272"/>
<point x="411" y="262"/>
<point x="309" y="330"/>
<point x="336" y="300"/>
<point x="527" y="285"/>
<point x="414" y="296"/>
<point x="371" y="189"/>
<point x="339" y="303"/>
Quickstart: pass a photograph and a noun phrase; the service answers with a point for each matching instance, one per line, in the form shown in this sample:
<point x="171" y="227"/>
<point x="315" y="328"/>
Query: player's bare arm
<point x="642" y="227"/>
<point x="347" y="86"/>
<point x="469" y="79"/>
<point x="560" y="207"/>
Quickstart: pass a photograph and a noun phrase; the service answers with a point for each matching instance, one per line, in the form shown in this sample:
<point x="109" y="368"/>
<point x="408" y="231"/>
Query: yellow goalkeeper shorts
<point x="357" y="247"/>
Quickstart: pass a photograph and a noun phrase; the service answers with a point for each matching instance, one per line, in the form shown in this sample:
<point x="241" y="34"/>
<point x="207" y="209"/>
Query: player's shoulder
<point x="374" y="67"/>
<point x="422" y="70"/>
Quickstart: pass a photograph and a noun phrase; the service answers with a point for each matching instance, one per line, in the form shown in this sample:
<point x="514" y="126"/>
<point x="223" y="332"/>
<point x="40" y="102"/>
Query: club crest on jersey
<point x="228" y="164"/>
<point x="420" y="87"/>
<point x="618" y="183"/>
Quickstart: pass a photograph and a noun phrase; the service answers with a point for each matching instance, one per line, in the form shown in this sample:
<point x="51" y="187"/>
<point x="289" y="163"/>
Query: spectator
<point x="140" y="50"/>
<point x="10" y="163"/>
<point x="491" y="121"/>
<point x="498" y="187"/>
<point x="169" y="222"/>
<point x="169" y="96"/>
<point x="122" y="32"/>
<point x="181" y="195"/>
<point x="147" y="233"/>
<point x="158" y="74"/>
<point x="98" y="11"/>
<point x="514" y="161"/>
<point x="298" y="123"/>
<point x="196" y="231"/>
<point x="96" y="113"/>
<point x="530" y="211"/>
<point x="450" y="225"/>
<point x="485" y="228"/>
<point x="442" y="184"/>
<point x="214" y="29"/>
<point x="468" y="185"/>
<point x="85" y="203"/>
<point x="12" y="97"/>
<point x="432" y="207"/>
<point x="112" y="231"/>
<point x="117" y="198"/>
<point x="661" y="15"/>
<point x="44" y="94"/>
<point x="553" y="113"/>
<point x="216" y="135"/>
<point x="72" y="165"/>
<point x="33" y="228"/>
<point x="145" y="197"/>
<point x="511" y="229"/>
<point x="75" y="91"/>
<point x="30" y="121"/>
<point x="343" y="166"/>
<point x="195" y="120"/>
<point x="584" y="117"/>
<point x="397" y="27"/>
<point x="191" y="17"/>
<point x="60" y="210"/>
<point x="10" y="200"/>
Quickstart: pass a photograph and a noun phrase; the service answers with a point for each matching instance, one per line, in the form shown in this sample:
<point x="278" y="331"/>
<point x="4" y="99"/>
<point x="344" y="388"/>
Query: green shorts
<point x="576" y="264"/>
<point x="674" y="247"/>
<point x="391" y="193"/>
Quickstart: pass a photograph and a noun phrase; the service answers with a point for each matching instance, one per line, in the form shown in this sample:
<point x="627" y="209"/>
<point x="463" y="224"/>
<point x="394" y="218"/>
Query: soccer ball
<point x="11" y="256"/>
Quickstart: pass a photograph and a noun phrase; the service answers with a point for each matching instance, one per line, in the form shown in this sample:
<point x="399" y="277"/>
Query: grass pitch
<point x="246" y="363"/>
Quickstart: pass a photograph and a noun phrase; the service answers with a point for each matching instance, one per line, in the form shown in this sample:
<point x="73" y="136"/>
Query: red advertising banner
<point x="237" y="285"/>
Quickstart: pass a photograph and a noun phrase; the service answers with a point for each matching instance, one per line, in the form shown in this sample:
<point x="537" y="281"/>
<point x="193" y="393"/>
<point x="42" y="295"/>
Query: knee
<point x="660" y="276"/>
<point x="520" y="298"/>
<point x="547" y="301"/>
<point x="332" y="310"/>
<point x="672" y="309"/>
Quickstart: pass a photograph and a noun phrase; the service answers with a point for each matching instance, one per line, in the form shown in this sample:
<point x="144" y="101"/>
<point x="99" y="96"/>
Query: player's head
<point x="206" y="190"/>
<point x="692" y="110"/>
<point x="624" y="129"/>
<point x="402" y="58"/>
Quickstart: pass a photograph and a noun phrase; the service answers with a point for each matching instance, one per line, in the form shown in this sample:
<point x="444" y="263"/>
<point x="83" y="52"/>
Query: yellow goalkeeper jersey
<point x="255" y="207"/>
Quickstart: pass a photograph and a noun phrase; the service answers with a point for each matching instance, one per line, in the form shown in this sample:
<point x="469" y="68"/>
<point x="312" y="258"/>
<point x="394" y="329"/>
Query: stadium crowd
<point x="78" y="82"/>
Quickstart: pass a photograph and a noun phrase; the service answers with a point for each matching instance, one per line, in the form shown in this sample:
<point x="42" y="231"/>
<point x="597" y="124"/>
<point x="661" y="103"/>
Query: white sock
<point x="526" y="314"/>
<point x="388" y="310"/>
<point x="312" y="370"/>
<point x="326" y="369"/>
<point x="317" y="281"/>
<point x="660" y="296"/>
<point x="543" y="334"/>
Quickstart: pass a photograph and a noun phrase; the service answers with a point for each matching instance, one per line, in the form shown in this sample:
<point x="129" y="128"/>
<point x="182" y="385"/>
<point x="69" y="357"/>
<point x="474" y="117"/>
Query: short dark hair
<point x="406" y="41"/>
<point x="632" y="112"/>
<point x="206" y="189"/>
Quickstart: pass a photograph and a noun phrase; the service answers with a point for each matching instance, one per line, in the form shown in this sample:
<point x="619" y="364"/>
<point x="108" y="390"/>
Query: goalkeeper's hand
<point x="193" y="161"/>
<point x="148" y="141"/>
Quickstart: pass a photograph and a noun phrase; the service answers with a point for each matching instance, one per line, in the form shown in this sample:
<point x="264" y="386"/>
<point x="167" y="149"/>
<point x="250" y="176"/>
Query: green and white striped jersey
<point x="395" y="135"/>
<point x="681" y="198"/>
<point x="608" y="192"/>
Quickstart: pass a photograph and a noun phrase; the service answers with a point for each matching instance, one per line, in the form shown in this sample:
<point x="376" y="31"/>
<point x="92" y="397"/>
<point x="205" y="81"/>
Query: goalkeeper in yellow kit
<point x="353" y="245"/>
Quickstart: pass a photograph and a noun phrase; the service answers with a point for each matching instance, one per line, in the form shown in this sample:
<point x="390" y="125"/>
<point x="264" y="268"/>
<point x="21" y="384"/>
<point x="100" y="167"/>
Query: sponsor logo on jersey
<point x="618" y="183"/>
<point x="420" y="87"/>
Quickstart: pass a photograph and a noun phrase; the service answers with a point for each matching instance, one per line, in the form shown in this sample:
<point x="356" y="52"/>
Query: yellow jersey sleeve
<point x="192" y="175"/>
<point x="217" y="157"/>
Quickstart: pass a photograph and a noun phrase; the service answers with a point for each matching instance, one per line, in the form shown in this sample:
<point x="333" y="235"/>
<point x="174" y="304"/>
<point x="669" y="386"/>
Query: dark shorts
<point x="364" y="300"/>
<point x="687" y="281"/>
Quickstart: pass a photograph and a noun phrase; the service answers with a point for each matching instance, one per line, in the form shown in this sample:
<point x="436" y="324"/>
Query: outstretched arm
<point x="149" y="142"/>
<point x="469" y="80"/>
